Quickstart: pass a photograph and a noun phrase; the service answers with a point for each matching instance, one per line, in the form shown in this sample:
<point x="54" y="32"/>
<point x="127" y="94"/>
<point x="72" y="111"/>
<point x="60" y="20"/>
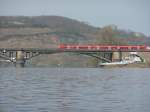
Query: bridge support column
<point x="120" y="56"/>
<point x="117" y="56"/>
<point x="20" y="61"/>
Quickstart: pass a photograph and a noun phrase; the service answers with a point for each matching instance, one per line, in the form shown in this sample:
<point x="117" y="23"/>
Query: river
<point x="74" y="90"/>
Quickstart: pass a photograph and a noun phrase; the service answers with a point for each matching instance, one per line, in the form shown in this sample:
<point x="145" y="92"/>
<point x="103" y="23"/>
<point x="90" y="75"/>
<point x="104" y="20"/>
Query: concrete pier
<point x="20" y="61"/>
<point x="117" y="56"/>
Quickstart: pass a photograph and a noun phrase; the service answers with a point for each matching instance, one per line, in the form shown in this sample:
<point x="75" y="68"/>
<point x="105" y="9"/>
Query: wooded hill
<point x="65" y="30"/>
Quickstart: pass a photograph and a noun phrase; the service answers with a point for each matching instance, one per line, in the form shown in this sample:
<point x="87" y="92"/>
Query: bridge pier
<point x="120" y="56"/>
<point x="117" y="56"/>
<point x="20" y="61"/>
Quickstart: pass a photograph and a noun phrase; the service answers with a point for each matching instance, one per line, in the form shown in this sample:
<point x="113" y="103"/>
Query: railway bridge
<point x="19" y="56"/>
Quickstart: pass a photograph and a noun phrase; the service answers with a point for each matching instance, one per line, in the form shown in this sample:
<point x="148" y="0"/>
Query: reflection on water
<point x="74" y="90"/>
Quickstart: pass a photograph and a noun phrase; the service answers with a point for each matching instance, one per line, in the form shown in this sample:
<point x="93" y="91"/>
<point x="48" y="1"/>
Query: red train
<point x="103" y="47"/>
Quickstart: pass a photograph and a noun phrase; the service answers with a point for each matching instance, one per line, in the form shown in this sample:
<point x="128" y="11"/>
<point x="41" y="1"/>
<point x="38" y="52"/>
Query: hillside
<point x="43" y="28"/>
<point x="49" y="31"/>
<point x="63" y="29"/>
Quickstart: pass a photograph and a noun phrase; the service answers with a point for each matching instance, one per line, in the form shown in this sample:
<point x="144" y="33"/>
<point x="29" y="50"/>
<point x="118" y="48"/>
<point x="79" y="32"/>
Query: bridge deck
<point x="55" y="50"/>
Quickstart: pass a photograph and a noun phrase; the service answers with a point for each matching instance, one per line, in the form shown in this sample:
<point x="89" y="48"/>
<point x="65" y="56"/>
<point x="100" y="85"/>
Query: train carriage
<point x="103" y="47"/>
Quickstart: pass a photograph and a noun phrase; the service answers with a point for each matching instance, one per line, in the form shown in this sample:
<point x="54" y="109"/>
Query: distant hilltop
<point x="54" y="22"/>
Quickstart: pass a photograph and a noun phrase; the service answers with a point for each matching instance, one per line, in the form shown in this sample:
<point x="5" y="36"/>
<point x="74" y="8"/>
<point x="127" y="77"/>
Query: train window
<point x="83" y="47"/>
<point x="114" y="48"/>
<point x="134" y="48"/>
<point x="104" y="48"/>
<point x="142" y="47"/>
<point x="124" y="48"/>
<point x="93" y="47"/>
<point x="73" y="47"/>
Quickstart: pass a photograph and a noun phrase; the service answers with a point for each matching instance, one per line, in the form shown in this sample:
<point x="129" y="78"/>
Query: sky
<point x="126" y="14"/>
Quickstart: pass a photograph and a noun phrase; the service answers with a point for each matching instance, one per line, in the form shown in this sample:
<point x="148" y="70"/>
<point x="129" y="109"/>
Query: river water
<point x="74" y="90"/>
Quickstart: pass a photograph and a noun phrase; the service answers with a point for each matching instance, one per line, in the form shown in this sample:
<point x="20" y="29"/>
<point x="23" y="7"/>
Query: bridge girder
<point x="95" y="55"/>
<point x="29" y="53"/>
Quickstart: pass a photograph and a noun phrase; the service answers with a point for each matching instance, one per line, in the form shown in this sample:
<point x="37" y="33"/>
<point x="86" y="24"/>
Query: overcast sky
<point x="126" y="14"/>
